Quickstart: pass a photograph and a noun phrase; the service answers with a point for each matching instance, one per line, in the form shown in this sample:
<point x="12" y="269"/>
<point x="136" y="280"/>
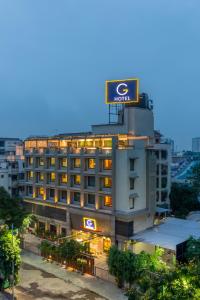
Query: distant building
<point x="196" y="144"/>
<point x="11" y="166"/>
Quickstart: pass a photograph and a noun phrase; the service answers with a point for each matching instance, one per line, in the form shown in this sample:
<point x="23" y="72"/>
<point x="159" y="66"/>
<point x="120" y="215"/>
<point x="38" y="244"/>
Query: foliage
<point x="129" y="267"/>
<point x="9" y="252"/>
<point x="183" y="199"/>
<point x="193" y="249"/>
<point x="179" y="283"/>
<point x="70" y="249"/>
<point x="11" y="210"/>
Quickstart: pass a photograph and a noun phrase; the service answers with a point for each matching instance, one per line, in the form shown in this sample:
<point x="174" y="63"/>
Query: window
<point x="164" y="169"/>
<point x="132" y="182"/>
<point x="157" y="154"/>
<point x="132" y="163"/>
<point x="107" y="182"/>
<point x="91" y="163"/>
<point x="163" y="196"/>
<point x="164" y="182"/>
<point x="157" y="196"/>
<point x="107" y="143"/>
<point x="51" y="193"/>
<point x="2" y="143"/>
<point x="157" y="182"/>
<point x="164" y="154"/>
<point x="2" y="176"/>
<point x="91" y="199"/>
<point x="30" y="190"/>
<point x="41" y="191"/>
<point x="107" y="164"/>
<point x="131" y="203"/>
<point x="64" y="162"/>
<point x="91" y="181"/>
<point x="63" y="178"/>
<point x="77" y="179"/>
<point x="77" y="163"/>
<point x="52" y="176"/>
<point x="30" y="175"/>
<point x="41" y="161"/>
<point x="52" y="161"/>
<point x="108" y="201"/>
<point x="157" y="169"/>
<point x="63" y="196"/>
<point x="76" y="197"/>
<point x="41" y="176"/>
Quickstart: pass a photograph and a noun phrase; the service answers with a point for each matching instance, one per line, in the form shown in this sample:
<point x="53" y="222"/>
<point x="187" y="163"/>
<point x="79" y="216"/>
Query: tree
<point x="195" y="177"/>
<point x="70" y="249"/>
<point x="193" y="249"/>
<point x="9" y="254"/>
<point x="11" y="210"/>
<point x="183" y="199"/>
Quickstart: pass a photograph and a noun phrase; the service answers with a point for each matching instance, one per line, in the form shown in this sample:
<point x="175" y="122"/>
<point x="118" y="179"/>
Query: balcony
<point x="105" y="152"/>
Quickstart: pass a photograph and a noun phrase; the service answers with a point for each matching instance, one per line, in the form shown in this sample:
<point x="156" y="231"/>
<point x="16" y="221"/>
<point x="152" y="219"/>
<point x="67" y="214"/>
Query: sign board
<point x="89" y="224"/>
<point x="122" y="91"/>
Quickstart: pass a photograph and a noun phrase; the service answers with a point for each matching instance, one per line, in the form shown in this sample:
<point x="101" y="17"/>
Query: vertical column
<point x="98" y="204"/>
<point x="82" y="186"/>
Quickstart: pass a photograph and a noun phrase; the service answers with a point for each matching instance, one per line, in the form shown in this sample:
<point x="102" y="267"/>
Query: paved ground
<point x="48" y="281"/>
<point x="37" y="284"/>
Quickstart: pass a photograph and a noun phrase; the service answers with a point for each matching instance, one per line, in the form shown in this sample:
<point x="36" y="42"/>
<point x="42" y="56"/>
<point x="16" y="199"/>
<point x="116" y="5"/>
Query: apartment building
<point x="98" y="185"/>
<point x="12" y="166"/>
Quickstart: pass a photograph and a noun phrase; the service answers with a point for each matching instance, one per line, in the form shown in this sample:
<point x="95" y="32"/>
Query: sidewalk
<point x="103" y="288"/>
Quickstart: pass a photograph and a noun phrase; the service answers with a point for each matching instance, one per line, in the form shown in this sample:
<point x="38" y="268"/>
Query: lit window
<point x="64" y="178"/>
<point x="30" y="160"/>
<point x="41" y="161"/>
<point x="77" y="179"/>
<point x="107" y="164"/>
<point x="52" y="161"/>
<point x="64" y="162"/>
<point x="108" y="201"/>
<point x="41" y="191"/>
<point x="91" y="163"/>
<point x="107" y="182"/>
<point x="53" y="176"/>
<point x="77" y="163"/>
<point x="107" y="143"/>
<point x="41" y="176"/>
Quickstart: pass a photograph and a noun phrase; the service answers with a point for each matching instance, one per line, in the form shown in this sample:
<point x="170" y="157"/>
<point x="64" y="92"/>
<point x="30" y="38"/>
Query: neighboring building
<point x="163" y="169"/>
<point x="11" y="166"/>
<point x="196" y="144"/>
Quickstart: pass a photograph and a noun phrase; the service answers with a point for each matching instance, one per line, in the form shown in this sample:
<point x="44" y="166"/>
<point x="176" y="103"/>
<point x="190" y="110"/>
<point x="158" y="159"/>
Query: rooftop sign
<point x="122" y="91"/>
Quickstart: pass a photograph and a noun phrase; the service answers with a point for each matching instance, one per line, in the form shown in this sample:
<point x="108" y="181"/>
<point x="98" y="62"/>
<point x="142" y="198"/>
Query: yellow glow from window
<point x="108" y="201"/>
<point x="53" y="176"/>
<point x="41" y="176"/>
<point x="107" y="164"/>
<point x="31" y="160"/>
<point x="64" y="178"/>
<point x="107" y="182"/>
<point x="64" y="162"/>
<point x="77" y="179"/>
<point x="77" y="163"/>
<point x="41" y="161"/>
<point x="52" y="161"/>
<point x="41" y="191"/>
<point x="91" y="163"/>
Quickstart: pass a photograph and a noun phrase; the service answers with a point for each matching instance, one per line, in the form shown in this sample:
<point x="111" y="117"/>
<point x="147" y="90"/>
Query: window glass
<point x="77" y="163"/>
<point x="64" y="162"/>
<point x="164" y="182"/>
<point x="64" y="178"/>
<point x="77" y="179"/>
<point x="52" y="161"/>
<point x="76" y="197"/>
<point x="164" y="154"/>
<point x="91" y="163"/>
<point x="53" y="176"/>
<point x="91" y="180"/>
<point x="131" y="203"/>
<point x="107" y="164"/>
<point x="132" y="162"/>
<point x="132" y="181"/>
<point x="107" y="182"/>
<point x="108" y="201"/>
<point x="91" y="199"/>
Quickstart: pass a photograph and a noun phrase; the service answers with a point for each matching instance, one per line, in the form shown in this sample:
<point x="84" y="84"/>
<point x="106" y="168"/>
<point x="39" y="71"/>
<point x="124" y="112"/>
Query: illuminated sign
<point x="89" y="223"/>
<point x="122" y="91"/>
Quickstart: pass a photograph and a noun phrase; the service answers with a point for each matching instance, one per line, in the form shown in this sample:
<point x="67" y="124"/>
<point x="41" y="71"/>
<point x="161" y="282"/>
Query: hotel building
<point x="98" y="185"/>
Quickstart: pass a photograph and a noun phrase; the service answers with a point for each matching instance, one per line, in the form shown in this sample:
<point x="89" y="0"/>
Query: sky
<point x="55" y="56"/>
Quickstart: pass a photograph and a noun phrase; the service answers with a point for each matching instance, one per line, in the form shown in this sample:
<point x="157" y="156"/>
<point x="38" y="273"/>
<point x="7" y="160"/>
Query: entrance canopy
<point x="169" y="234"/>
